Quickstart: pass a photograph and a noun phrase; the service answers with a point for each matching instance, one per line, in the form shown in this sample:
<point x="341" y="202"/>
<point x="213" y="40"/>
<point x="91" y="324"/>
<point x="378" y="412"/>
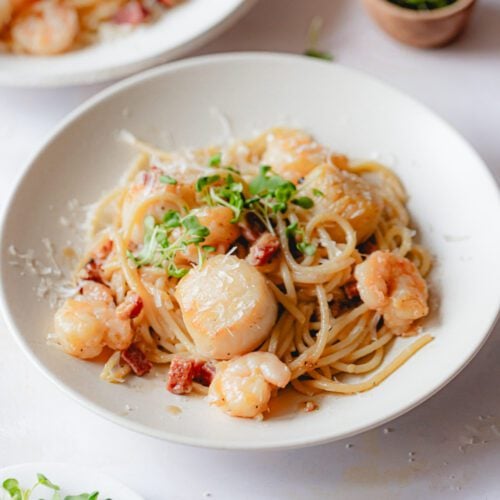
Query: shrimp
<point x="222" y="232"/>
<point x="243" y="386"/>
<point x="8" y="8"/>
<point x="87" y="323"/>
<point x="292" y="153"/>
<point x="46" y="27"/>
<point x="5" y="12"/>
<point x="393" y="286"/>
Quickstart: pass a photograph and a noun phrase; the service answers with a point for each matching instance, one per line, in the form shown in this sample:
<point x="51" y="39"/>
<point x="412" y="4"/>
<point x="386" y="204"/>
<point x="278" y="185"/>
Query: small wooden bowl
<point x="431" y="28"/>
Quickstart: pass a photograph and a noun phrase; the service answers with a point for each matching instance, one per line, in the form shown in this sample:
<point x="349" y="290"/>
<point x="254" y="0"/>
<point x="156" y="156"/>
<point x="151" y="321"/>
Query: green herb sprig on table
<point x="312" y="41"/>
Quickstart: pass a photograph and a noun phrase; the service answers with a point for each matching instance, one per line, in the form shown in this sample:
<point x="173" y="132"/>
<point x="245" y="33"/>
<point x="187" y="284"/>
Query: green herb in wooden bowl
<point x="422" y="4"/>
<point x="421" y="23"/>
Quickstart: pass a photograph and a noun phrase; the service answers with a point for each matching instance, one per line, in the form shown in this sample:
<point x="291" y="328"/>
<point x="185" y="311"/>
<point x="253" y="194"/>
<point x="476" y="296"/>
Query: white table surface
<point x="455" y="436"/>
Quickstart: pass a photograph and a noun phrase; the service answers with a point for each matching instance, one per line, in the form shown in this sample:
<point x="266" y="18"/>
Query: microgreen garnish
<point x="318" y="193"/>
<point x="215" y="160"/>
<point x="267" y="183"/>
<point x="231" y="196"/>
<point x="46" y="482"/>
<point x="306" y="248"/>
<point x="312" y="41"/>
<point x="202" y="182"/>
<point x="176" y="272"/>
<point x="303" y="202"/>
<point x="194" y="230"/>
<point x="303" y="246"/>
<point x="227" y="194"/>
<point x="12" y="487"/>
<point x="291" y="230"/>
<point x="272" y="195"/>
<point x="161" y="244"/>
<point x="84" y="496"/>
<point x="166" y="179"/>
<point x="172" y="219"/>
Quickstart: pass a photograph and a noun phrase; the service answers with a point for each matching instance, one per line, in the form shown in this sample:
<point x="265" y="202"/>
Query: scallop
<point x="291" y="153"/>
<point x="347" y="195"/>
<point x="227" y="307"/>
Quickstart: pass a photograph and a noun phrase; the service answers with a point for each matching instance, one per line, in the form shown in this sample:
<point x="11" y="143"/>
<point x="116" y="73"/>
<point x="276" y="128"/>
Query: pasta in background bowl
<point x="52" y="43"/>
<point x="341" y="109"/>
<point x="51" y="27"/>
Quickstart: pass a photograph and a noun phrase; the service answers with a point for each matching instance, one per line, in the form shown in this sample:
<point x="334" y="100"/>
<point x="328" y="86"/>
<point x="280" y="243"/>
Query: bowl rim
<point x="208" y="442"/>
<point x="421" y="15"/>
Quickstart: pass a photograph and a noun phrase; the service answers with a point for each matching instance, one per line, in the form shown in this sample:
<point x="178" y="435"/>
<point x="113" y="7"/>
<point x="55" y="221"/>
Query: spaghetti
<point x="250" y="267"/>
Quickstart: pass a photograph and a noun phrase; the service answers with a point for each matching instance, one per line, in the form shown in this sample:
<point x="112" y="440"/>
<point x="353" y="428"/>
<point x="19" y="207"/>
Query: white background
<point x="449" y="447"/>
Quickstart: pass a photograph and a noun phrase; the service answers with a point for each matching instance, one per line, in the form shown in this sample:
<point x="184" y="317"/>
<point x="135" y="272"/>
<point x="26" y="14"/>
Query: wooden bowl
<point x="430" y="28"/>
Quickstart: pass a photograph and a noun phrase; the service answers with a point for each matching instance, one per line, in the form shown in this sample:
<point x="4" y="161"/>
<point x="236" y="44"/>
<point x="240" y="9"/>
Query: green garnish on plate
<point x="16" y="492"/>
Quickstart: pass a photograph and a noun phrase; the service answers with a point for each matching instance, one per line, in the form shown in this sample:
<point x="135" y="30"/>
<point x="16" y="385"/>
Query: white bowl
<point x="454" y="202"/>
<point x="180" y="29"/>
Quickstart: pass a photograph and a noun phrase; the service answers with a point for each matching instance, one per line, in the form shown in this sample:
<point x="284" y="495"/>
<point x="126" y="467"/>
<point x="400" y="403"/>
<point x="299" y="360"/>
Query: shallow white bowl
<point x="453" y="200"/>
<point x="180" y="29"/>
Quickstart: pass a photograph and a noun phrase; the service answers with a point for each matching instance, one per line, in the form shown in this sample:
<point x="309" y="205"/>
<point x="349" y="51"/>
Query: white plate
<point x="72" y="479"/>
<point x="180" y="29"/>
<point x="454" y="202"/>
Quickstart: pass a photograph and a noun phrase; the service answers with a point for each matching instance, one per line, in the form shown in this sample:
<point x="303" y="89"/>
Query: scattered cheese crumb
<point x="54" y="283"/>
<point x="310" y="406"/>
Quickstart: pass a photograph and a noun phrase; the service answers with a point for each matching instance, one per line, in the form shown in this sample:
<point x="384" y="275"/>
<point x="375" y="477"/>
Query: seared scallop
<point x="347" y="195"/>
<point x="227" y="307"/>
<point x="291" y="153"/>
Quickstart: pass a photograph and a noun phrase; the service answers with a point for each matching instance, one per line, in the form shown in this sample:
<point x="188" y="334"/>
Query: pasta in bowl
<point x="342" y="109"/>
<point x="246" y="268"/>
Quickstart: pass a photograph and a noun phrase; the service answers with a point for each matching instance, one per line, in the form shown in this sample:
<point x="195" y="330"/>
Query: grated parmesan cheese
<point x="54" y="283"/>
